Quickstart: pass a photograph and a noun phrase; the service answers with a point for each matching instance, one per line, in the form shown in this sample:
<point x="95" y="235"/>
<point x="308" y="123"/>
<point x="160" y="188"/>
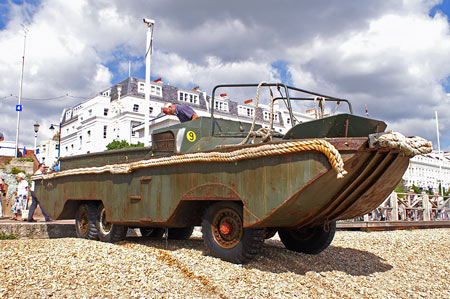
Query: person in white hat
<point x="21" y="201"/>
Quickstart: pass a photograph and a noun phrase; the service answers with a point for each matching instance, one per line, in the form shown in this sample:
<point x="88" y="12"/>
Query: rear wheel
<point x="309" y="240"/>
<point x="226" y="238"/>
<point x="85" y="222"/>
<point x="152" y="232"/>
<point x="109" y="232"/>
<point x="180" y="233"/>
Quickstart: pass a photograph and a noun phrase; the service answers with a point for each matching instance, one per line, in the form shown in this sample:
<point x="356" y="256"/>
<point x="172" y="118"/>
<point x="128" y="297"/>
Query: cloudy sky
<point x="391" y="55"/>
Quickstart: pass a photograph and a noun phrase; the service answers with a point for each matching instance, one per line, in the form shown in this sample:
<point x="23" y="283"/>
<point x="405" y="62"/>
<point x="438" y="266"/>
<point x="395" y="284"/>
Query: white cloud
<point x="390" y="55"/>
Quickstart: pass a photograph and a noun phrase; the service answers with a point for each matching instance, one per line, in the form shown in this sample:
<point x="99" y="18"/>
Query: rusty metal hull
<point x="290" y="190"/>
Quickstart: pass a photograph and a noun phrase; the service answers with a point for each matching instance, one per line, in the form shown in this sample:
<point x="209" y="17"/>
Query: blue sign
<point x="18" y="107"/>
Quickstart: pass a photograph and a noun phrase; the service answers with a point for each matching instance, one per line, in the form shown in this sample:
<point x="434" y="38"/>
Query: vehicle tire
<point x="85" y="227"/>
<point x="152" y="232"/>
<point x="109" y="232"/>
<point x="310" y="240"/>
<point x="180" y="233"/>
<point x="225" y="236"/>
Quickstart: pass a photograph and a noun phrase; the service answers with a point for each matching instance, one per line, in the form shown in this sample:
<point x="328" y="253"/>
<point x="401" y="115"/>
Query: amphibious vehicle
<point x="239" y="182"/>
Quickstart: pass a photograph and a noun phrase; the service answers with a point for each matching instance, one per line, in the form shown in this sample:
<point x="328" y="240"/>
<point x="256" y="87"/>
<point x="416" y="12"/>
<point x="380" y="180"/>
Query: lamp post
<point x="36" y="130"/>
<point x="52" y="129"/>
<point x="150" y="24"/>
<point x="20" y="92"/>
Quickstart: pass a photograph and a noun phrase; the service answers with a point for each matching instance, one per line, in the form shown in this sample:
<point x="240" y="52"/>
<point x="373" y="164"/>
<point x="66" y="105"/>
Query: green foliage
<point x="416" y="189"/>
<point x="114" y="145"/>
<point x="17" y="170"/>
<point x="25" y="159"/>
<point x="401" y="189"/>
<point x="4" y="236"/>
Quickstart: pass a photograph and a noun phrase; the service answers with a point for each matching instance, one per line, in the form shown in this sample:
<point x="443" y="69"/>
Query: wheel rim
<point x="83" y="221"/>
<point x="226" y="228"/>
<point x="104" y="226"/>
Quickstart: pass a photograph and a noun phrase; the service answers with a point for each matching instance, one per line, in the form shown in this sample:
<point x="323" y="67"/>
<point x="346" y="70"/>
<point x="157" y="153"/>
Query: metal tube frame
<point x="287" y="97"/>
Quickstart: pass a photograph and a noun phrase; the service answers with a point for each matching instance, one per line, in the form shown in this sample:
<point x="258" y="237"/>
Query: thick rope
<point x="411" y="146"/>
<point x="249" y="152"/>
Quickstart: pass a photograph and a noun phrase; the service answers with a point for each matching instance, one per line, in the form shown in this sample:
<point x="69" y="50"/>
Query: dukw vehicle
<point x="239" y="182"/>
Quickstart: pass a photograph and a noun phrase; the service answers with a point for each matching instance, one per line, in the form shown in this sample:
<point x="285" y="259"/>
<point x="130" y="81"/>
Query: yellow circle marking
<point x="190" y="135"/>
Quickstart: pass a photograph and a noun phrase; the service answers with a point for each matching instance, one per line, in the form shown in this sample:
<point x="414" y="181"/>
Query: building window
<point x="89" y="136"/>
<point x="69" y="114"/>
<point x="106" y="93"/>
<point x="150" y="110"/>
<point x="105" y="129"/>
<point x="154" y="89"/>
<point x="188" y="97"/>
<point x="221" y="105"/>
<point x="90" y="112"/>
<point x="246" y="111"/>
<point x="141" y="87"/>
<point x="105" y="112"/>
<point x="266" y="116"/>
<point x="136" y="108"/>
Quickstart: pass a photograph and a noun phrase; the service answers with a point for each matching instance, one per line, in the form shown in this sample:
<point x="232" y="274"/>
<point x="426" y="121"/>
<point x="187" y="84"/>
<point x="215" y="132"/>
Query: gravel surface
<point x="395" y="264"/>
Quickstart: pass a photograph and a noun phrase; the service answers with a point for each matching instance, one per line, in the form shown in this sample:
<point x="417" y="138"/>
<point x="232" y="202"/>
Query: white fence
<point x="411" y="207"/>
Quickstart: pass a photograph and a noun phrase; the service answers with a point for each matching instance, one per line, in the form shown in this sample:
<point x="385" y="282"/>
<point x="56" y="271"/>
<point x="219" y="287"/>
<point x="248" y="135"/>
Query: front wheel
<point x="226" y="238"/>
<point x="109" y="232"/>
<point x="308" y="240"/>
<point x="85" y="220"/>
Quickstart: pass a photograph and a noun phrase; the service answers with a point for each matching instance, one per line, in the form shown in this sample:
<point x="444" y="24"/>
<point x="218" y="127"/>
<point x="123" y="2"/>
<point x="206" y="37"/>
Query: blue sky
<point x="391" y="56"/>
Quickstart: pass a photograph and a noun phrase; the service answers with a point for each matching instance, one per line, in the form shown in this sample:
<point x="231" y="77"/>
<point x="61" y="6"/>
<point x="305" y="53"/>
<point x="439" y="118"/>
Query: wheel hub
<point x="226" y="228"/>
<point x="83" y="223"/>
<point x="104" y="226"/>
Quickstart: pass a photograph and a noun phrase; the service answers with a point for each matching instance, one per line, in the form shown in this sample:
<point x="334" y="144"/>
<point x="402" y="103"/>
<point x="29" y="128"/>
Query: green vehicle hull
<point x="237" y="203"/>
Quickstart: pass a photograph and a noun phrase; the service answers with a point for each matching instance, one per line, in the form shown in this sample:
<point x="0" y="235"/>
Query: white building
<point x="427" y="171"/>
<point x="117" y="114"/>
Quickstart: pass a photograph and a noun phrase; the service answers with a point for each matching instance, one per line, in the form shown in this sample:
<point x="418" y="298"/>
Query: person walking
<point x="34" y="201"/>
<point x="183" y="112"/>
<point x="21" y="200"/>
<point x="2" y="137"/>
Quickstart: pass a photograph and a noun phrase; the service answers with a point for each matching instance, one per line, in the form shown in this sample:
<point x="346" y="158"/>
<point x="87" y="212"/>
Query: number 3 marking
<point x="190" y="135"/>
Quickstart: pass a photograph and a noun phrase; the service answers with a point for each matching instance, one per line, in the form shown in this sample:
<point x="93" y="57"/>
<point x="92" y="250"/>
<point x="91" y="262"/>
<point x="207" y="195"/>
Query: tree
<point x="116" y="144"/>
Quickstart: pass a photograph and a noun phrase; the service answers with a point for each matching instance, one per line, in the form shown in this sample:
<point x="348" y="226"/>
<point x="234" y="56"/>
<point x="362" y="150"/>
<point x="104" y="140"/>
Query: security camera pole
<point x="150" y="23"/>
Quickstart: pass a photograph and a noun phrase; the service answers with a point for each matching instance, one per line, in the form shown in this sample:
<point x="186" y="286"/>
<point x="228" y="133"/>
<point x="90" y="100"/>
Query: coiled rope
<point x="248" y="152"/>
<point x="411" y="146"/>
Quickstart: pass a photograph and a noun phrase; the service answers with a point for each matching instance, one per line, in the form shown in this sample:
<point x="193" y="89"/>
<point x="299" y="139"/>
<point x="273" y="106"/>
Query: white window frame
<point x="246" y="111"/>
<point x="221" y="105"/>
<point x="188" y="97"/>
<point x="155" y="90"/>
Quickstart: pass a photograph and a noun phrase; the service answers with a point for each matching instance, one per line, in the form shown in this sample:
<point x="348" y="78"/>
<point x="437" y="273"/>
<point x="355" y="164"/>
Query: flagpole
<point x="148" y="53"/>
<point x="439" y="152"/>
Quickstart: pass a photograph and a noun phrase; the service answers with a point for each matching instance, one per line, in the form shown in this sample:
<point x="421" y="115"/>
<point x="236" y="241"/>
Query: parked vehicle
<point x="208" y="172"/>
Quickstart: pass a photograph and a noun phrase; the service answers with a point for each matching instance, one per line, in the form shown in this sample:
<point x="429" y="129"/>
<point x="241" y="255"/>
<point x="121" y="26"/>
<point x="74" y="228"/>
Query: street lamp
<point x="52" y="129"/>
<point x="36" y="130"/>
<point x="19" y="107"/>
<point x="148" y="51"/>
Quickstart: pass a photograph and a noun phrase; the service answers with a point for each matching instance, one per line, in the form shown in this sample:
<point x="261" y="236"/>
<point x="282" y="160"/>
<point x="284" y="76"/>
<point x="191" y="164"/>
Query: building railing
<point x="410" y="207"/>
